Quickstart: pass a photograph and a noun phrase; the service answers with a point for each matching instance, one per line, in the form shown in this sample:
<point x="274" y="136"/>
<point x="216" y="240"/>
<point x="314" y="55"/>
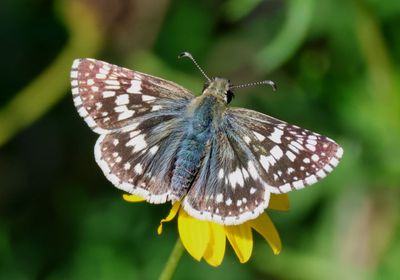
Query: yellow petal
<point x="241" y="240"/>
<point x="215" y="251"/>
<point x="264" y="226"/>
<point x="194" y="233"/>
<point x="171" y="215"/>
<point x="279" y="202"/>
<point x="132" y="198"/>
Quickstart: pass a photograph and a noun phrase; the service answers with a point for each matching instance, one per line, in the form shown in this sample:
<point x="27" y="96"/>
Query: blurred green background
<point x="336" y="64"/>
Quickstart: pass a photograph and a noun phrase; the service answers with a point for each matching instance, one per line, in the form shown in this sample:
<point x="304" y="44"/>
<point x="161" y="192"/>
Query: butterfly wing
<point x="140" y="121"/>
<point x="140" y="161"/>
<point x="252" y="156"/>
<point x="109" y="97"/>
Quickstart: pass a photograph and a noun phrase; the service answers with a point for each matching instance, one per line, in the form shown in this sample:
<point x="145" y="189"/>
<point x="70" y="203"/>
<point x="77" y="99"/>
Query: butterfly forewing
<point x="108" y="97"/>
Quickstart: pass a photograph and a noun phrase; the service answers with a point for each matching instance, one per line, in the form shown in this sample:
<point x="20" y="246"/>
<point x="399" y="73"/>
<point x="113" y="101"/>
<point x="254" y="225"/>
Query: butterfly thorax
<point x="203" y="116"/>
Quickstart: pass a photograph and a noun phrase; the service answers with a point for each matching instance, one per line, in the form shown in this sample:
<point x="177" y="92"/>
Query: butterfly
<point x="159" y="141"/>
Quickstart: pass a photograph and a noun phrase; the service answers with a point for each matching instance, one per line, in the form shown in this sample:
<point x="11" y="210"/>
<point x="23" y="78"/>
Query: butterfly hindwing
<point x="252" y="156"/>
<point x="226" y="190"/>
<point x="288" y="157"/>
<point x="108" y="97"/>
<point x="140" y="161"/>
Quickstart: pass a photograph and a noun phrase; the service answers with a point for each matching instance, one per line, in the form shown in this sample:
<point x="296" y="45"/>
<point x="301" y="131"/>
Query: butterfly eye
<point x="229" y="96"/>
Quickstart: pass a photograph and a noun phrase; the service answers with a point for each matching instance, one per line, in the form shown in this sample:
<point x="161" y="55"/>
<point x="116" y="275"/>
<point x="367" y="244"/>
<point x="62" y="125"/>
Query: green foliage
<point x="336" y="64"/>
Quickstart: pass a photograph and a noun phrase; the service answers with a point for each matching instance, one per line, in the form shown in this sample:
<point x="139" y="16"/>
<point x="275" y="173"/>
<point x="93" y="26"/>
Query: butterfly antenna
<point x="265" y="82"/>
<point x="188" y="55"/>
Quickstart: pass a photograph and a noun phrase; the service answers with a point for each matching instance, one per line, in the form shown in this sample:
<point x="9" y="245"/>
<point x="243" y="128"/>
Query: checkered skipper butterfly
<point x="158" y="141"/>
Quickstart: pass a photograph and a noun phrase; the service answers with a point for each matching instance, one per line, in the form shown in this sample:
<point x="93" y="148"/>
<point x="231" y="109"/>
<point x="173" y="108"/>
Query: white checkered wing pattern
<point x="138" y="117"/>
<point x="109" y="97"/>
<point x="141" y="161"/>
<point x="252" y="156"/>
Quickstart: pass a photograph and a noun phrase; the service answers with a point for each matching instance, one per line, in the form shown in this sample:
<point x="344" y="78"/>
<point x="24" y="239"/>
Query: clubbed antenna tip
<point x="188" y="55"/>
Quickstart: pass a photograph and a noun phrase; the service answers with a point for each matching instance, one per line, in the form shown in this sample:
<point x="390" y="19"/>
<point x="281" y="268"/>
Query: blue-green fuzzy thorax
<point x="193" y="145"/>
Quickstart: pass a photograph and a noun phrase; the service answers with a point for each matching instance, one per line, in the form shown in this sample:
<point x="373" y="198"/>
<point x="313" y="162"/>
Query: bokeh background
<point x="337" y="67"/>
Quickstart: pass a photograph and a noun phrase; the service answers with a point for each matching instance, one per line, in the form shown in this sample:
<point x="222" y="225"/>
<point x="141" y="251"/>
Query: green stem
<point x="172" y="262"/>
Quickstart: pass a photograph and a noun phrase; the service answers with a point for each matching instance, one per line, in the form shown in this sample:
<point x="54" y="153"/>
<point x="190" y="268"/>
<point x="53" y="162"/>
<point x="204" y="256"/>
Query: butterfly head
<point x="220" y="87"/>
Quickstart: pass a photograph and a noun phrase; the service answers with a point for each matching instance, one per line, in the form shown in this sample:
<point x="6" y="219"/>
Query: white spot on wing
<point x="153" y="149"/>
<point x="156" y="108"/>
<point x="138" y="168"/>
<point x="90" y="82"/>
<point x="276" y="152"/>
<point x="125" y="115"/>
<point x="74" y="74"/>
<point x="252" y="170"/>
<point x="285" y="188"/>
<point x="77" y="101"/>
<point x="311" y="147"/>
<point x="120" y="109"/>
<point x="221" y="174"/>
<point x="219" y="198"/>
<point x="276" y="135"/>
<point x="266" y="162"/>
<point x="290" y="155"/>
<point x="112" y="82"/>
<point x="334" y="162"/>
<point x="315" y="157"/>
<point x="290" y="170"/>
<point x="236" y="178"/>
<point x="108" y="93"/>
<point x="127" y="166"/>
<point x="75" y="64"/>
<point x="134" y="133"/>
<point x="137" y="142"/>
<point x="122" y="99"/>
<point x="298" y="184"/>
<point x="100" y="76"/>
<point x="297" y="145"/>
<point x="259" y="136"/>
<point x="135" y="87"/>
<point x="339" y="153"/>
<point x="321" y="173"/>
<point x="328" y="168"/>
<point x="75" y="91"/>
<point x="147" y="98"/>
<point x="311" y="179"/>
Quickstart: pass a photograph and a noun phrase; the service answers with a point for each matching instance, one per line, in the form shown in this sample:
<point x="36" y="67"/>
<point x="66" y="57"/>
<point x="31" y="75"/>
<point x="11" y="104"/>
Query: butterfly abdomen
<point x="193" y="146"/>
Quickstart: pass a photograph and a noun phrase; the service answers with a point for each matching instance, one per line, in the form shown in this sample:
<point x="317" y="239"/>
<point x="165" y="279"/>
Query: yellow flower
<point x="206" y="240"/>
